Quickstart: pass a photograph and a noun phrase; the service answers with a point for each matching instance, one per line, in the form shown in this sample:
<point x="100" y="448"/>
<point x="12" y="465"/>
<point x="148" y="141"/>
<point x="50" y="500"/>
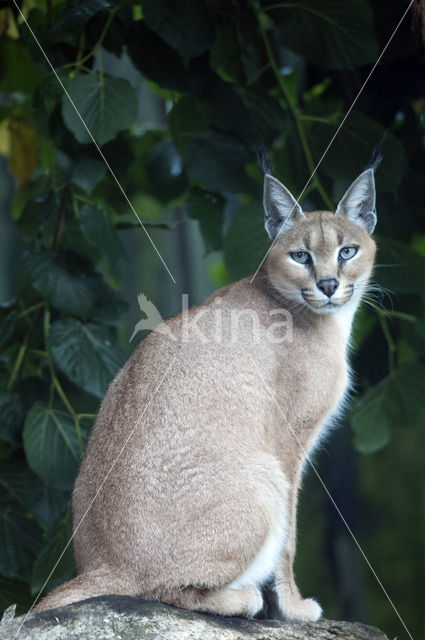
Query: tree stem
<point x="392" y="347"/>
<point x="22" y="350"/>
<point x="55" y="381"/>
<point x="295" y="116"/>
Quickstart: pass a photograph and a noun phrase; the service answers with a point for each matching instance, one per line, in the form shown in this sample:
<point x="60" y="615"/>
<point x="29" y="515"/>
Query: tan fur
<point x="209" y="478"/>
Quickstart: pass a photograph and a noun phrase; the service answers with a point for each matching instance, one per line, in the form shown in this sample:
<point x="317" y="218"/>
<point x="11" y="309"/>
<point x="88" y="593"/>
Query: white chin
<point x="326" y="309"/>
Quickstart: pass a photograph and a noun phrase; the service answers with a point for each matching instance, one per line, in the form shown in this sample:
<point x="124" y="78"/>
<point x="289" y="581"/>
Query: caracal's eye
<point x="347" y="252"/>
<point x="301" y="256"/>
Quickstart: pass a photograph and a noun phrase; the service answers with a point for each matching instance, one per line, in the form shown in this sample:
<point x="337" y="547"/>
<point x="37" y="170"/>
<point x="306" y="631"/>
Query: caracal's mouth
<point x="321" y="306"/>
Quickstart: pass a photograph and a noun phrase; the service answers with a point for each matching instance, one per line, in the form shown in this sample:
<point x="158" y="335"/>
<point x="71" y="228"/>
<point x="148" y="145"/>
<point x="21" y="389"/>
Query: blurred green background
<point x="179" y="96"/>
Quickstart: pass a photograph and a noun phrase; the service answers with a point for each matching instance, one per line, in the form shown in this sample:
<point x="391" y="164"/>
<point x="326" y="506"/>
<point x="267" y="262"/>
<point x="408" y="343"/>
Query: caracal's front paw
<point x="307" y="610"/>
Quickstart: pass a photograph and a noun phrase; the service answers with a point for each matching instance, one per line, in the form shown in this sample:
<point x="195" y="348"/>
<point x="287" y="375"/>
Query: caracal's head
<point x="320" y="259"/>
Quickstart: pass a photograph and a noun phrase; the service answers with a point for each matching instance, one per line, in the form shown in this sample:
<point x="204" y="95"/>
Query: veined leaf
<point x="246" y="242"/>
<point x="62" y="280"/>
<point x="77" y="13"/>
<point x="11" y="415"/>
<point x="208" y="209"/>
<point x="88" y="173"/>
<point x="49" y="556"/>
<point x="370" y="421"/>
<point x="397" y="402"/>
<point x="404" y="270"/>
<point x="51" y="445"/>
<point x="106" y="104"/>
<point x="20" y="541"/>
<point x="49" y="505"/>
<point x="217" y="160"/>
<point x="18" y="483"/>
<point x="109" y="307"/>
<point x="237" y="54"/>
<point x="159" y="62"/>
<point x="87" y="354"/>
<point x="185" y="26"/>
<point x="330" y="32"/>
<point x="20" y="73"/>
<point x="186" y="118"/>
<point x="99" y="231"/>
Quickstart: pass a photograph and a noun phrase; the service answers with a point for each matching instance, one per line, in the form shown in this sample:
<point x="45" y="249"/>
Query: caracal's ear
<point x="358" y="202"/>
<point x="281" y="209"/>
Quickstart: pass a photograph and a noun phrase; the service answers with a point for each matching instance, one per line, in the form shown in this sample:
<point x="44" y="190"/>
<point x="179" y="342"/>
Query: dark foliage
<point x="232" y="77"/>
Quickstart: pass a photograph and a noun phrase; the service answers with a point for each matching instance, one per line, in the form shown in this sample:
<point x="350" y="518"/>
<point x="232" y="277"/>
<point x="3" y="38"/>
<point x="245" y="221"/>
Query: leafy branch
<point x="78" y="65"/>
<point x="55" y="381"/>
<point x="298" y="120"/>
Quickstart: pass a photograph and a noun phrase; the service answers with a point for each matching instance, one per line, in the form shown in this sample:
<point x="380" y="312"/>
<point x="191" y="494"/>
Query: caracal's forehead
<point x="323" y="231"/>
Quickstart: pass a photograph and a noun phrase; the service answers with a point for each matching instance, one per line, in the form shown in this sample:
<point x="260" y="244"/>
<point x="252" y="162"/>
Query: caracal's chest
<point x="313" y="379"/>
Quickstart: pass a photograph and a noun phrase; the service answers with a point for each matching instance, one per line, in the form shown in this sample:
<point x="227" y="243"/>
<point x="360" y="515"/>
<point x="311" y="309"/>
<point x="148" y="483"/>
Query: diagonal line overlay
<point x="310" y="462"/>
<point x="99" y="490"/>
<point x="102" y="155"/>
<point x="174" y="281"/>
<point x="335" y="135"/>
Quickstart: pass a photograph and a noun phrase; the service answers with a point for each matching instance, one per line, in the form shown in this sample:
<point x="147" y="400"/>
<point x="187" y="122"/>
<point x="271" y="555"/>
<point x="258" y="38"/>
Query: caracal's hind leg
<point x="246" y="601"/>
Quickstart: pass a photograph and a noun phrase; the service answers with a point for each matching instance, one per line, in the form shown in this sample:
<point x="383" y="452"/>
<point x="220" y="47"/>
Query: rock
<point x="127" y="618"/>
<point x="8" y="614"/>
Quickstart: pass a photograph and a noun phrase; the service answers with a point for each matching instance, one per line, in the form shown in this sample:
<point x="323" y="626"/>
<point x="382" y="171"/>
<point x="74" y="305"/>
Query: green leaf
<point x="49" y="556"/>
<point x="365" y="322"/>
<point x="397" y="402"/>
<point x="165" y="173"/>
<point x="109" y="307"/>
<point x="87" y="354"/>
<point x="159" y="62"/>
<point x="266" y="115"/>
<point x="15" y="591"/>
<point x="106" y="104"/>
<point x="39" y="218"/>
<point x="99" y="230"/>
<point x="224" y="56"/>
<point x="63" y="279"/>
<point x="18" y="483"/>
<point x="404" y="270"/>
<point x="185" y="26"/>
<point x="406" y="393"/>
<point x="246" y="242"/>
<point x="76" y="15"/>
<point x="208" y="209"/>
<point x="186" y="118"/>
<point x="51" y="445"/>
<point x="217" y="160"/>
<point x="19" y="72"/>
<point x="19" y="541"/>
<point x="7" y="326"/>
<point x="238" y="53"/>
<point x="11" y="415"/>
<point x="88" y="173"/>
<point x="370" y="421"/>
<point x="352" y="148"/>
<point x="327" y="33"/>
<point x="49" y="505"/>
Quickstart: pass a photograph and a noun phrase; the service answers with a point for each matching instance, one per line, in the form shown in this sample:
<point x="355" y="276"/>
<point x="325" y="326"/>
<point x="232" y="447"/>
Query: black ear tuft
<point x="377" y="154"/>
<point x="263" y="161"/>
